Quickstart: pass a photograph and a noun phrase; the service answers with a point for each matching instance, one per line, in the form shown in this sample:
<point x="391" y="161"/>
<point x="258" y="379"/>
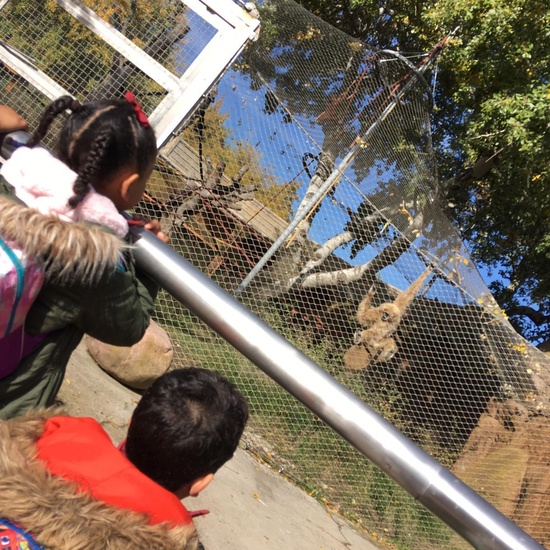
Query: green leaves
<point x="492" y="101"/>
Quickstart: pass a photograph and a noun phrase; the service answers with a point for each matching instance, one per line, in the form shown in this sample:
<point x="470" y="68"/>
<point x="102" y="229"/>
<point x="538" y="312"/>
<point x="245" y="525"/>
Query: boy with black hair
<point x="64" y="481"/>
<point x="185" y="429"/>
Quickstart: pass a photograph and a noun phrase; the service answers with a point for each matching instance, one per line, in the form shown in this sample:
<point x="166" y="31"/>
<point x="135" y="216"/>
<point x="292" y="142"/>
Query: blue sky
<point x="282" y="148"/>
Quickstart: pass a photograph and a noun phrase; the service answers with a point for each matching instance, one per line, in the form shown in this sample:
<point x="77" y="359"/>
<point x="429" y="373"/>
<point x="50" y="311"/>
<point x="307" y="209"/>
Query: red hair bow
<point x="138" y="111"/>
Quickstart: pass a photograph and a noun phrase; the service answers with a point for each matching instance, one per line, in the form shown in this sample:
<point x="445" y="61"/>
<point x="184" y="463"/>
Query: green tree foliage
<point x="492" y="111"/>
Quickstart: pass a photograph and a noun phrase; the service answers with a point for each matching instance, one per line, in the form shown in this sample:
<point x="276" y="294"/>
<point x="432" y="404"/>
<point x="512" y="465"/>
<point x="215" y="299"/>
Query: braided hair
<point x="97" y="140"/>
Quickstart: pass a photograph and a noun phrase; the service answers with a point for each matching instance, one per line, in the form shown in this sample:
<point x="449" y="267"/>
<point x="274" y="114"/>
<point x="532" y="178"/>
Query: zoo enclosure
<point x="280" y="122"/>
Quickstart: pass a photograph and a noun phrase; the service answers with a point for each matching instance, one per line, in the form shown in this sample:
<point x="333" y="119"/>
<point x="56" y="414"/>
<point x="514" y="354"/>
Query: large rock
<point x="137" y="366"/>
<point x="506" y="461"/>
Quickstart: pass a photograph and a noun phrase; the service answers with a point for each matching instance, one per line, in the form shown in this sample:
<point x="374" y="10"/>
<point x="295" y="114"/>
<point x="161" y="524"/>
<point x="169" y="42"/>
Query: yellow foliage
<point x="216" y="146"/>
<point x="520" y="348"/>
<point x="308" y="34"/>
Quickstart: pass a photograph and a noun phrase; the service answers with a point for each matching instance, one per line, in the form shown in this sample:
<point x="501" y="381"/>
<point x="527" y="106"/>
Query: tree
<point x="84" y="64"/>
<point x="491" y="121"/>
<point x="500" y="65"/>
<point x="209" y="135"/>
<point x="366" y="106"/>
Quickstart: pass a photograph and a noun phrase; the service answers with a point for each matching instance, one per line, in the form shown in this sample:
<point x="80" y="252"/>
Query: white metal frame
<point x="234" y="26"/>
<point x="24" y="66"/>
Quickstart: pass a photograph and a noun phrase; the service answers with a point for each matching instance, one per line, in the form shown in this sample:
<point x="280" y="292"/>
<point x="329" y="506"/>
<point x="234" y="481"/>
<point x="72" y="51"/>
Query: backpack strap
<point x="16" y="537"/>
<point x="20" y="270"/>
<point x="7" y="189"/>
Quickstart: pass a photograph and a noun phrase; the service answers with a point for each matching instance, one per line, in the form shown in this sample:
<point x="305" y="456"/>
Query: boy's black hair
<point x="97" y="140"/>
<point x="186" y="425"/>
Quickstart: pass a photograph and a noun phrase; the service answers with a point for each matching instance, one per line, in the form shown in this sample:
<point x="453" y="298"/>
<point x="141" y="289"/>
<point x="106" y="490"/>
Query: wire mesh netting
<point x="369" y="278"/>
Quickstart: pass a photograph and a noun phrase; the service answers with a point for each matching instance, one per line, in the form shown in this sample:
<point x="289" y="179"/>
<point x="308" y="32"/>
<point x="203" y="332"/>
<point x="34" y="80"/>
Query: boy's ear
<point x="200" y="484"/>
<point x="127" y="184"/>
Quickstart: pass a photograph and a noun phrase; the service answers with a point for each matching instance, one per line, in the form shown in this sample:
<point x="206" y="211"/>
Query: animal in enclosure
<point x="366" y="225"/>
<point x="376" y="342"/>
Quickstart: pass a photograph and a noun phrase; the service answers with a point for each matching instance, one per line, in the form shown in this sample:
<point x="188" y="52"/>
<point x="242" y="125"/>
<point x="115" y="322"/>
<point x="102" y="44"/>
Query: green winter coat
<point x="92" y="286"/>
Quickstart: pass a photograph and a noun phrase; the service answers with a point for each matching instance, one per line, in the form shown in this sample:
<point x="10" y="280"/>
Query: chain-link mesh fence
<point x="374" y="283"/>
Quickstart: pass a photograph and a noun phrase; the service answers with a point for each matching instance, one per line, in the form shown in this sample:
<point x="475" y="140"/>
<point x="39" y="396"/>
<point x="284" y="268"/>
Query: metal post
<point x="417" y="472"/>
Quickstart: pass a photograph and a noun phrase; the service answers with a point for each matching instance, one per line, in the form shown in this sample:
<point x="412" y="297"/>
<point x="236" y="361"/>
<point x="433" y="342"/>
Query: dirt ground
<point x="250" y="506"/>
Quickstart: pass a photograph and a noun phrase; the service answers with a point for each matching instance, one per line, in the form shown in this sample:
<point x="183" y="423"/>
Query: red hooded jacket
<point x="80" y="450"/>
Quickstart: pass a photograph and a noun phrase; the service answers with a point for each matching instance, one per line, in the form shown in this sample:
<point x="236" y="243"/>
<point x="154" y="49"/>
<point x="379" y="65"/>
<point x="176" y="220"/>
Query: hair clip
<point x="138" y="111"/>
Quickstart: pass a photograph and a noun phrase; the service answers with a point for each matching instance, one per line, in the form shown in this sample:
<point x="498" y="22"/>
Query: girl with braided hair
<point x="65" y="209"/>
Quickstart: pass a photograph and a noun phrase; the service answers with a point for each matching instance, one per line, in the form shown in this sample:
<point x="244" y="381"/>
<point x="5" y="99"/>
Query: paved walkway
<point x="251" y="507"/>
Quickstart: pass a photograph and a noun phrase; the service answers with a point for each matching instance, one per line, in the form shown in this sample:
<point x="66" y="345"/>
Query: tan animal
<point x="380" y="324"/>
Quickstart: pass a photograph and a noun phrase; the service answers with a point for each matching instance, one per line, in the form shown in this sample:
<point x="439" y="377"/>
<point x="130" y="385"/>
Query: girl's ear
<point x="126" y="185"/>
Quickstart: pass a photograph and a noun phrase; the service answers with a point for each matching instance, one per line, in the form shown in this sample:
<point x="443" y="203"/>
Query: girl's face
<point x="127" y="188"/>
<point x="136" y="190"/>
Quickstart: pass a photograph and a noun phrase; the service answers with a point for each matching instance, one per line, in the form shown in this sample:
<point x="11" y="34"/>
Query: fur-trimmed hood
<point x="61" y="517"/>
<point x="67" y="250"/>
<point x="46" y="184"/>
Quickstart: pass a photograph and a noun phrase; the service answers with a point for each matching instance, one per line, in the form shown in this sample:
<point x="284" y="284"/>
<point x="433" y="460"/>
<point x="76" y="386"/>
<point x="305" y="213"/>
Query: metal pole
<point x="417" y="472"/>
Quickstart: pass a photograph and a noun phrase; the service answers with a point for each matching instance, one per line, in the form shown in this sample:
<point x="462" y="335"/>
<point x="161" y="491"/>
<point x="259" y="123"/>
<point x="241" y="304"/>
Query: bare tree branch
<point x="321" y="254"/>
<point x="534" y="315"/>
<point x="366" y="271"/>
